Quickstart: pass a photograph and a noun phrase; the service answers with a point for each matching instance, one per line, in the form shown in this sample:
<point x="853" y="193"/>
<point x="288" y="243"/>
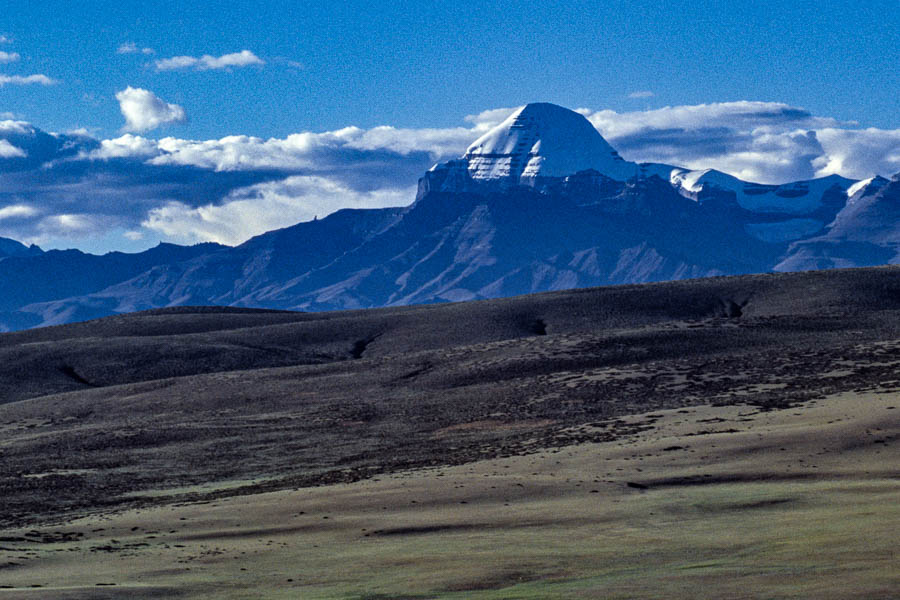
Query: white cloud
<point x="84" y="132"/>
<point x="132" y="48"/>
<point x="306" y="150"/>
<point x="641" y="94"/>
<point x="67" y="225"/>
<point x="487" y="119"/>
<point x="8" y="57"/>
<point x="263" y="207"/>
<point x="739" y="115"/>
<point x="859" y="153"/>
<point x="5" y="40"/>
<point x="144" y="110"/>
<point x="126" y="146"/>
<point x="437" y="142"/>
<point x="7" y="150"/>
<point x="303" y="150"/>
<point x="15" y="211"/>
<point x="237" y="152"/>
<point x="15" y="127"/>
<point x="176" y="62"/>
<point x="206" y="62"/>
<point x="26" y="80"/>
<point x="768" y="142"/>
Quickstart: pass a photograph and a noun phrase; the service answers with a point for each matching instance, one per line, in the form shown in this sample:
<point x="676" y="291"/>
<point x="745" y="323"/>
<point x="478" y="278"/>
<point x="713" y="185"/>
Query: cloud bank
<point x="266" y="206"/>
<point x="767" y="142"/>
<point x="67" y="189"/>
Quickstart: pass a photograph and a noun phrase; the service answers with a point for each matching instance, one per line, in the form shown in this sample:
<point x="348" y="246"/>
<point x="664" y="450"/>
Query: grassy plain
<point x="793" y="503"/>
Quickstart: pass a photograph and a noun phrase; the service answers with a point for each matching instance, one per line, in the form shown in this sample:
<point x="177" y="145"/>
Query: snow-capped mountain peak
<point x="544" y="140"/>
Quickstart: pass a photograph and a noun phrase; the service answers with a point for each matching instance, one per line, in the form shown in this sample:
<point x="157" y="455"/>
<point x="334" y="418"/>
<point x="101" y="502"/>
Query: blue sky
<point x="161" y="70"/>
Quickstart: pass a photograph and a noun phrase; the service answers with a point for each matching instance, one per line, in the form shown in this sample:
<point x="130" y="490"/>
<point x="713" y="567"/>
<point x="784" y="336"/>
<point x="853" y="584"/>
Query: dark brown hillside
<point x="194" y="340"/>
<point x="96" y="412"/>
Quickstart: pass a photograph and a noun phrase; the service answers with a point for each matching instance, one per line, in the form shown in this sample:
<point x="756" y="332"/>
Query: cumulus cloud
<point x="244" y="58"/>
<point x="144" y="110"/>
<point x="8" y="57"/>
<point x="263" y="207"/>
<point x="641" y="94"/>
<point x="7" y="150"/>
<point x="5" y="40"/>
<point x="132" y="48"/>
<point x="38" y="79"/>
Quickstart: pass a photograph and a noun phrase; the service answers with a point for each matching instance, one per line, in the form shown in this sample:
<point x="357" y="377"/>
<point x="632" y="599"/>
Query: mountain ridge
<point x="504" y="219"/>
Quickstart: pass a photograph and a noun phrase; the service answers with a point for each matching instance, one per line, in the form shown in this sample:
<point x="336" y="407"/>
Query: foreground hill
<point x="186" y="341"/>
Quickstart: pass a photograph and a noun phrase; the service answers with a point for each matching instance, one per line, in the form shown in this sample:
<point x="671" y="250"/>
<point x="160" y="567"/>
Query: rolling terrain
<point x="627" y="441"/>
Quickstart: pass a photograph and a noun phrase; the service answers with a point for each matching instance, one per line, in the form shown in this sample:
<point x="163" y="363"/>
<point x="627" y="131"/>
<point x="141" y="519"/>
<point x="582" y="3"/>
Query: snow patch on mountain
<point x="867" y="186"/>
<point x="799" y="197"/>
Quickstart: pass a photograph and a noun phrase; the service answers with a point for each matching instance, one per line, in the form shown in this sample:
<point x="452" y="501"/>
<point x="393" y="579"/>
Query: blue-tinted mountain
<point x="59" y="275"/>
<point x="866" y="232"/>
<point x="542" y="202"/>
<point x="10" y="247"/>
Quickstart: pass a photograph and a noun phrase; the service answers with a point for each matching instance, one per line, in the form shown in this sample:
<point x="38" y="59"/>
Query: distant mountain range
<point x="541" y="202"/>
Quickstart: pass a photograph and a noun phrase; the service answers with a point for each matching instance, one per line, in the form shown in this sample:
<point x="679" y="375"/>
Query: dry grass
<point x="796" y="503"/>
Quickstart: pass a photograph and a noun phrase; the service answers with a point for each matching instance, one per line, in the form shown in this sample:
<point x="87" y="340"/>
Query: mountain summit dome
<point x="544" y="140"/>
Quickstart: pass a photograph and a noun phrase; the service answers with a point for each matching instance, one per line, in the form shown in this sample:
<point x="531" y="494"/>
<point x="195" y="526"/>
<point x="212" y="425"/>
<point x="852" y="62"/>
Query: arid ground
<point x="720" y="438"/>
